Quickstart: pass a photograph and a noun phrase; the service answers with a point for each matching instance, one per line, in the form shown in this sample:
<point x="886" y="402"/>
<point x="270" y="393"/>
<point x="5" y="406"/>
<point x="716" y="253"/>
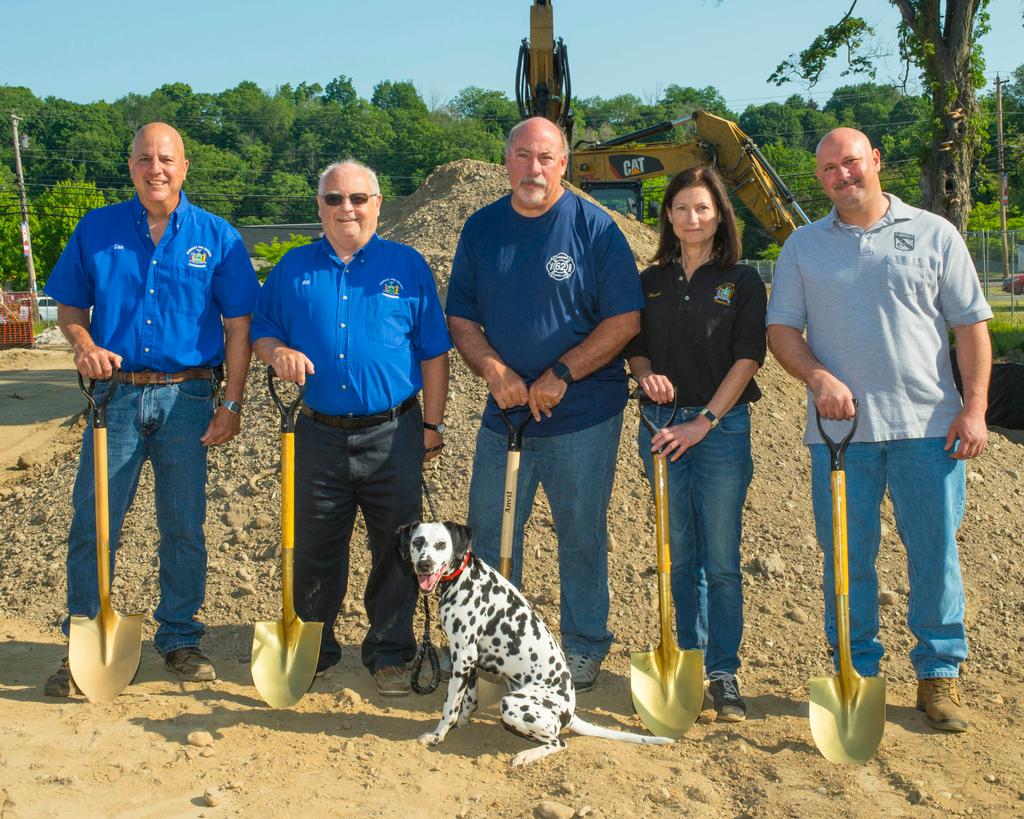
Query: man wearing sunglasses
<point x="357" y="320"/>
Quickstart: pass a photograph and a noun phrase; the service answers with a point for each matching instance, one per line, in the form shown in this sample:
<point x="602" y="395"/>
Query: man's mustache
<point x="538" y="181"/>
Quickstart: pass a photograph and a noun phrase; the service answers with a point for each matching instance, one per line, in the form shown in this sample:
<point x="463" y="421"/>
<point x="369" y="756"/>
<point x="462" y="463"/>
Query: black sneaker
<point x="725" y="689"/>
<point x="61" y="683"/>
<point x="190" y="664"/>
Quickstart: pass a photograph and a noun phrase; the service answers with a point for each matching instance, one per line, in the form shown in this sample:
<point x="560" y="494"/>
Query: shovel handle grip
<point x="515" y="431"/>
<point x="638" y="393"/>
<point x="98" y="409"/>
<point x="287" y="411"/>
<point x="837" y="450"/>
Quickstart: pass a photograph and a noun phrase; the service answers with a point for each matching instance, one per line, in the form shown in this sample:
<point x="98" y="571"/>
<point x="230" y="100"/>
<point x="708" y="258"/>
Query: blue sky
<point x="67" y="49"/>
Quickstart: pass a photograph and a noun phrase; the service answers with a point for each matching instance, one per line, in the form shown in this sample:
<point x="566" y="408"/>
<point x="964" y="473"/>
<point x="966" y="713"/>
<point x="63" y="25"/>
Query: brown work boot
<point x="393" y="681"/>
<point x="190" y="664"/>
<point x="61" y="683"/>
<point x="940" y="701"/>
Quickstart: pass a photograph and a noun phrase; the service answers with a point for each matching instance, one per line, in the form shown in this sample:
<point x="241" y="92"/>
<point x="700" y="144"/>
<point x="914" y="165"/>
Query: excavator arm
<point x="543" y="84"/>
<point x="717" y="142"/>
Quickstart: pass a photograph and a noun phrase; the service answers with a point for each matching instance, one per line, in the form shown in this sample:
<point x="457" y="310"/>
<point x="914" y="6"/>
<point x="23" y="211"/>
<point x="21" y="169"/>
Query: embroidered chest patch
<point x="198" y="256"/>
<point x="903" y="241"/>
<point x="725" y="293"/>
<point x="391" y="288"/>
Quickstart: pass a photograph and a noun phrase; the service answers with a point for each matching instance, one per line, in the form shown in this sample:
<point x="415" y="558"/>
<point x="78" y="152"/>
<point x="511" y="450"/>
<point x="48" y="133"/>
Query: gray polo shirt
<point x="876" y="304"/>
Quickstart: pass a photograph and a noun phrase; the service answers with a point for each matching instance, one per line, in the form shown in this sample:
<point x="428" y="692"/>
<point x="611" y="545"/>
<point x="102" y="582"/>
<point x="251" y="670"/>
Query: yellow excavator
<point x="612" y="171"/>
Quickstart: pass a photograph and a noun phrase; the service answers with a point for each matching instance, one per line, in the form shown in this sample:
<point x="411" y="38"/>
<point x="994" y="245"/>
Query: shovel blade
<point x="847" y="730"/>
<point x="104" y="653"/>
<point x="284" y="660"/>
<point x="668" y="689"/>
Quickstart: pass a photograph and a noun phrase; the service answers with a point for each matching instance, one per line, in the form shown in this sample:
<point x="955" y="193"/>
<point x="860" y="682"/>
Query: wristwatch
<point x="232" y="406"/>
<point x="438" y="428"/>
<point x="561" y="370"/>
<point x="710" y="416"/>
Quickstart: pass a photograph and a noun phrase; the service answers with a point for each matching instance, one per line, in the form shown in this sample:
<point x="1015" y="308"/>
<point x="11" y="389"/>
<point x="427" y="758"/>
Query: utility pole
<point x="26" y="236"/>
<point x="1003" y="195"/>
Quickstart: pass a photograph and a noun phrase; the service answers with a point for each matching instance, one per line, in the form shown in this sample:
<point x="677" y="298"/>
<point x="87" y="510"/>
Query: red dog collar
<point x="450" y="577"/>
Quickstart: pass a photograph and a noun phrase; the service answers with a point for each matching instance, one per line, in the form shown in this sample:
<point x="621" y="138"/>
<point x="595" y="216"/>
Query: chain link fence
<point x="1004" y="292"/>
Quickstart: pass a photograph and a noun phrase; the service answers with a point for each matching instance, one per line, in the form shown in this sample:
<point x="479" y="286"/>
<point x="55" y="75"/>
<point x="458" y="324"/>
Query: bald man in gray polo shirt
<point x="876" y="284"/>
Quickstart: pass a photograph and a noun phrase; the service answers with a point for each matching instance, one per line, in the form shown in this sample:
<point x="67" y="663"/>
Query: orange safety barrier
<point x="15" y="320"/>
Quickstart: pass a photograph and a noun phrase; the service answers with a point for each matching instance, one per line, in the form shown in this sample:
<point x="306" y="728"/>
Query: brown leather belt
<point x="143" y="378"/>
<point x="349" y="422"/>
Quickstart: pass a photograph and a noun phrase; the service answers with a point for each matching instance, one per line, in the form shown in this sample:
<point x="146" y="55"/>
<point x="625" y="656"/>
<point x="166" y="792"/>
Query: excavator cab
<point x="623" y="197"/>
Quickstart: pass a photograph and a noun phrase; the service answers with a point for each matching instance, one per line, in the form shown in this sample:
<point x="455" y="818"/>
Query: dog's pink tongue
<point x="428" y="581"/>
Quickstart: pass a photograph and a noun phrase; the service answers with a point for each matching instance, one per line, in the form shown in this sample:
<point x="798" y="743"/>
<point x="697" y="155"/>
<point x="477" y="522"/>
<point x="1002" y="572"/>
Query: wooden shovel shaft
<point x="508" y="513"/>
<point x="841" y="572"/>
<point x="99" y="460"/>
<point x="661" y="531"/>
<point x="288" y="525"/>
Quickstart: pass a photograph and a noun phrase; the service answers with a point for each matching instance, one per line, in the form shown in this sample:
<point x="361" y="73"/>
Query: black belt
<point x="360" y="421"/>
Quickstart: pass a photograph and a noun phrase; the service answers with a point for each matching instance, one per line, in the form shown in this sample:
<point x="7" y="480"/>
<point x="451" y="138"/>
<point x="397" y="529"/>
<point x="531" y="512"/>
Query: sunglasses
<point x="357" y="199"/>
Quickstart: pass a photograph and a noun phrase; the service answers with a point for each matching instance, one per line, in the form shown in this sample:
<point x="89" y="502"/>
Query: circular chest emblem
<point x="560" y="267"/>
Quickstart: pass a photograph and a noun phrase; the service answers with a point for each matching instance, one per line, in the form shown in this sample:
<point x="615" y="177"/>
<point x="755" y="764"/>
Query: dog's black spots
<point x="565" y="718"/>
<point x="533" y="656"/>
<point x="457" y="624"/>
<point x="528" y="717"/>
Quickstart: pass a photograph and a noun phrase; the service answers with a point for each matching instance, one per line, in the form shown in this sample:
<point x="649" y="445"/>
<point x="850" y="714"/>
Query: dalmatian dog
<point x="491" y="627"/>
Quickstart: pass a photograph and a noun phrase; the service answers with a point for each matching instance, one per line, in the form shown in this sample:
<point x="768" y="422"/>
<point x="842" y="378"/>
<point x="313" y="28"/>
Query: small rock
<point x="659" y="796"/>
<point x="212" y="798"/>
<point x="584" y="810"/>
<point x="887" y="598"/>
<point x="207" y="752"/>
<point x="221" y="491"/>
<point x="262" y="521"/>
<point x="975" y="477"/>
<point x="1013" y="473"/>
<point x="272" y="552"/>
<point x="26" y="460"/>
<point x="567" y="788"/>
<point x="245" y="590"/>
<point x="797" y="615"/>
<point x="200" y="739"/>
<point x="244" y="575"/>
<point x="349" y="698"/>
<point x="916" y="796"/>
<point x="553" y="810"/>
<point x="613" y="546"/>
<point x="990" y="778"/>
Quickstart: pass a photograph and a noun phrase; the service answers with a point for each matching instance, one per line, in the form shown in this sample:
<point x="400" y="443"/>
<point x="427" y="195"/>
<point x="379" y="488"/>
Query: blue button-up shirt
<point x="366" y="325"/>
<point x="159" y="307"/>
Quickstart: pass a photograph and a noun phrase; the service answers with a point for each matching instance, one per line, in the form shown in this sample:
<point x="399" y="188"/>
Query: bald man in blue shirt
<point x="357" y="319"/>
<point x="171" y="289"/>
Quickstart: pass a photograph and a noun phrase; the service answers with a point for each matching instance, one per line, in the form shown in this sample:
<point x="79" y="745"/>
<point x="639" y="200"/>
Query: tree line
<point x="255" y="154"/>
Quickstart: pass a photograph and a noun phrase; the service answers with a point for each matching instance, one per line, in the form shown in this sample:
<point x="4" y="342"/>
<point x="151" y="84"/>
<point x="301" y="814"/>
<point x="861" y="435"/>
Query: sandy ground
<point x="343" y="750"/>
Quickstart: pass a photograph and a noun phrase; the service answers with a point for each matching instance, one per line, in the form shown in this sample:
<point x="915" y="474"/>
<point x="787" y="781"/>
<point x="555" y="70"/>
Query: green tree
<point x="940" y="38"/>
<point x="59" y="210"/>
<point x="272" y="252"/>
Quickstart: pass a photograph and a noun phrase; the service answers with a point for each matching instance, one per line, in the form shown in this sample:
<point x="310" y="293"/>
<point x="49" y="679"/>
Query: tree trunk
<point x="945" y="57"/>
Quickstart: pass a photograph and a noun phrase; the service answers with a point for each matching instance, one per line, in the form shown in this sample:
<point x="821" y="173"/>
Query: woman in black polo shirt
<point x="703" y="334"/>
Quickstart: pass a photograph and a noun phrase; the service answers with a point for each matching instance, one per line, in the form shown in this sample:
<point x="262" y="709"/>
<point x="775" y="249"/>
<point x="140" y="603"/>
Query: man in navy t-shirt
<point x="170" y="288"/>
<point x="544" y="295"/>
<point x="357" y="320"/>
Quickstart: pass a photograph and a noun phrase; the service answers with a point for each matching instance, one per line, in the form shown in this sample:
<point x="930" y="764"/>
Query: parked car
<point x="47" y="308"/>
<point x="1018" y="283"/>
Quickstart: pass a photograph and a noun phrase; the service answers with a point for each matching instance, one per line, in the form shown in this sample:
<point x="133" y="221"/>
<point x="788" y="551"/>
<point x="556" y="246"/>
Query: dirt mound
<point x="351" y="743"/>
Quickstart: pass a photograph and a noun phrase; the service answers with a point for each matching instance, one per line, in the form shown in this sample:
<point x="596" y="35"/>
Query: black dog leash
<point x="426" y="649"/>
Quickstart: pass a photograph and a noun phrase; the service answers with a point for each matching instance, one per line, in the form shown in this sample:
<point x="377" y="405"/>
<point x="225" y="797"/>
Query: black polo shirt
<point x="694" y="331"/>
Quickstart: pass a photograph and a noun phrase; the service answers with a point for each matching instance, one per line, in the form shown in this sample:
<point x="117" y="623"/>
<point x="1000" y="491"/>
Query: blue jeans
<point x="706" y="490"/>
<point x="162" y="424"/>
<point x="928" y="493"/>
<point x="577" y="470"/>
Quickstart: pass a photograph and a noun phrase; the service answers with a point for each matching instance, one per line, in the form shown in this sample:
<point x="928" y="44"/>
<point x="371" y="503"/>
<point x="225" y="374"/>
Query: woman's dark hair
<point x="726" y="250"/>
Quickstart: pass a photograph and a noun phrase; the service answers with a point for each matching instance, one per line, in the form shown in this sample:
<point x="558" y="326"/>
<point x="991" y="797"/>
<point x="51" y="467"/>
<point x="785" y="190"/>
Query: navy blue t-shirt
<point x="539" y="286"/>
